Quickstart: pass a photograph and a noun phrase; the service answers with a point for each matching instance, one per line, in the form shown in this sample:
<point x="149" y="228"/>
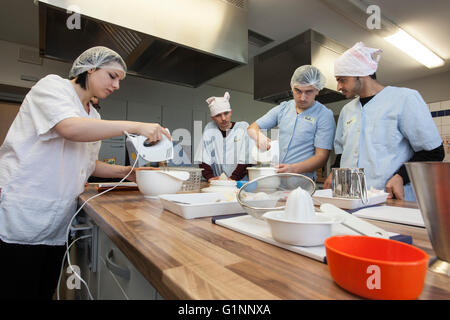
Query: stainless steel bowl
<point x="269" y="193"/>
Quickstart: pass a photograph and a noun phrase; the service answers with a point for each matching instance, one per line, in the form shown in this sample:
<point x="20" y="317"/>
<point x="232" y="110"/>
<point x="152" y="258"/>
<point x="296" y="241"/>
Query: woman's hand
<point x="153" y="131"/>
<point x="132" y="176"/>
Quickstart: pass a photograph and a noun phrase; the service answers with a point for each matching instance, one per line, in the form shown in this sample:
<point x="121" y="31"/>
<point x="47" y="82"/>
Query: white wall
<point x="434" y="88"/>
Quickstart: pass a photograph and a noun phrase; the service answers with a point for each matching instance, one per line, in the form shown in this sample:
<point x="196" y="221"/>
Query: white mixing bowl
<point x="299" y="233"/>
<point x="152" y="183"/>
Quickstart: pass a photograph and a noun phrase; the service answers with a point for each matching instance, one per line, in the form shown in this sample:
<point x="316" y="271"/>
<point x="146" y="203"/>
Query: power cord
<point x="84" y="237"/>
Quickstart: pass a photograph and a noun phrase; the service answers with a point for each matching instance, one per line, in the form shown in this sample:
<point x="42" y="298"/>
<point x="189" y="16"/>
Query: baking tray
<point x="326" y="196"/>
<point x="102" y="186"/>
<point x="197" y="205"/>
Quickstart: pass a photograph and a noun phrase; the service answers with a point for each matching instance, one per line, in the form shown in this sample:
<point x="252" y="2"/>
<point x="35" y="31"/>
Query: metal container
<point x="269" y="193"/>
<point x="349" y="183"/>
<point x="431" y="183"/>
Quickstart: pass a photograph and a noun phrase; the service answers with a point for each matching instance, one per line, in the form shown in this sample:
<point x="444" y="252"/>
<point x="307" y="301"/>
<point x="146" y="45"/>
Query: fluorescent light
<point x="415" y="49"/>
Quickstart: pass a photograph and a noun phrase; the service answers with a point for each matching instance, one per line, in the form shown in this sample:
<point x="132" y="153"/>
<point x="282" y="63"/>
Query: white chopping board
<point x="408" y="216"/>
<point x="259" y="229"/>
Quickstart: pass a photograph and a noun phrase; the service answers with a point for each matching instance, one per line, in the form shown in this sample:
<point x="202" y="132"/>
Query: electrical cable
<point x="70" y="225"/>
<point x="62" y="266"/>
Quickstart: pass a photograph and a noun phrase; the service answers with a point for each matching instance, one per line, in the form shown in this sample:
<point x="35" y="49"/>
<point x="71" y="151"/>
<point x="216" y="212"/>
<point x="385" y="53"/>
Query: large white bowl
<point x="299" y="233"/>
<point x="152" y="183"/>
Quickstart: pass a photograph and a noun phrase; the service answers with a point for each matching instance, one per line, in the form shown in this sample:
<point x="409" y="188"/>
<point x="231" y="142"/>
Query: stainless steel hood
<point x="273" y="69"/>
<point x="184" y="42"/>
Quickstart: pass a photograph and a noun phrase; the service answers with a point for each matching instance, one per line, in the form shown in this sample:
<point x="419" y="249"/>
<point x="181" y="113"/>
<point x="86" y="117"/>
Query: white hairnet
<point x="308" y="75"/>
<point x="97" y="57"/>
<point x="358" y="61"/>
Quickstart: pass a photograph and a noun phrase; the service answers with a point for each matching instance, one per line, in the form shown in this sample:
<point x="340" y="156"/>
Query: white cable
<point x="70" y="225"/>
<point x="62" y="265"/>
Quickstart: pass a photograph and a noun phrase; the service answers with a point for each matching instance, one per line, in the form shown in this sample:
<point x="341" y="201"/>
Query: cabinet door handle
<point x="115" y="268"/>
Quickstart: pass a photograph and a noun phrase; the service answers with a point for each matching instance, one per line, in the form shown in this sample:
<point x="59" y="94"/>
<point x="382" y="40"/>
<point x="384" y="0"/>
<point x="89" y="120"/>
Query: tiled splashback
<point x="440" y="111"/>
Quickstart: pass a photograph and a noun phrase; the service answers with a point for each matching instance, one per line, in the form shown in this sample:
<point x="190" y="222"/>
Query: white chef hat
<point x="219" y="104"/>
<point x="97" y="57"/>
<point x="358" y="61"/>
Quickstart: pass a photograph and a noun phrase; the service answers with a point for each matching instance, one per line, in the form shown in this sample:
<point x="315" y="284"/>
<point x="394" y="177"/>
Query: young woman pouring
<point x="50" y="151"/>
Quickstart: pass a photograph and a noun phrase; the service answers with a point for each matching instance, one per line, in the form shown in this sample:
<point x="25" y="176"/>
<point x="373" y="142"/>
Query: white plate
<point x="326" y="196"/>
<point x="197" y="205"/>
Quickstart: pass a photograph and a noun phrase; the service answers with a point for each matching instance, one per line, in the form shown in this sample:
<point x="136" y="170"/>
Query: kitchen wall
<point x="440" y="111"/>
<point x="138" y="99"/>
<point x="435" y="91"/>
<point x="177" y="106"/>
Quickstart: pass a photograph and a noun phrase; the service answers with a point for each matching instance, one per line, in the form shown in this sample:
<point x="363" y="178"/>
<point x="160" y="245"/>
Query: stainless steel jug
<point x="349" y="183"/>
<point x="431" y="183"/>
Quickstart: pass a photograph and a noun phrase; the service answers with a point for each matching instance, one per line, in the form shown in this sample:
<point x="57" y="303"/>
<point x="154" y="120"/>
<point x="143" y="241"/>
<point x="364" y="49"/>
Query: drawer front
<point x="132" y="282"/>
<point x="109" y="288"/>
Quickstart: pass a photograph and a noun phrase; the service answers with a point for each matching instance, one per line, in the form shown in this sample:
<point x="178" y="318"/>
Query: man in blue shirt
<point x="382" y="128"/>
<point x="306" y="127"/>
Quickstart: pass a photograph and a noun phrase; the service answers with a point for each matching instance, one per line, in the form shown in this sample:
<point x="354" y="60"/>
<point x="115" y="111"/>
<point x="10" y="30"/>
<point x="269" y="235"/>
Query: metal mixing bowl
<point x="269" y="193"/>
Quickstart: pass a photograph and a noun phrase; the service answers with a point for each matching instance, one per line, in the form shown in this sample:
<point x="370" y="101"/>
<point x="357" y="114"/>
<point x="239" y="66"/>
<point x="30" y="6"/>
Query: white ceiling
<point x="428" y="21"/>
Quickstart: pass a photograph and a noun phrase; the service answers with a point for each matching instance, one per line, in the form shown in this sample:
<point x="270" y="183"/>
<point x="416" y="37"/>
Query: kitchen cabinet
<point x="119" y="279"/>
<point x="113" y="148"/>
<point x="113" y="109"/>
<point x="196" y="259"/>
<point x="143" y="112"/>
<point x="180" y="123"/>
<point x="106" y="270"/>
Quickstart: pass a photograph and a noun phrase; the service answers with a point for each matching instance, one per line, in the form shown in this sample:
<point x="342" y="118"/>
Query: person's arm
<point x="437" y="154"/>
<point x="416" y="125"/>
<point x="87" y="130"/>
<point x="255" y="133"/>
<point x="266" y="122"/>
<point x="327" y="184"/>
<point x="105" y="170"/>
<point x="318" y="160"/>
<point x="207" y="171"/>
<point x="239" y="172"/>
<point x="394" y="186"/>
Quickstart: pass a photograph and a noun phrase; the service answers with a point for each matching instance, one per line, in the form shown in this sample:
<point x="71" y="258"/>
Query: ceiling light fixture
<point x="414" y="49"/>
<point x="357" y="12"/>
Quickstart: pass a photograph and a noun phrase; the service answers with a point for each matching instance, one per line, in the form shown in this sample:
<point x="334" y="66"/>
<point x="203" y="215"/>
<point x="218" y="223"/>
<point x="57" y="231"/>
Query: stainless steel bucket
<point x="431" y="183"/>
<point x="349" y="183"/>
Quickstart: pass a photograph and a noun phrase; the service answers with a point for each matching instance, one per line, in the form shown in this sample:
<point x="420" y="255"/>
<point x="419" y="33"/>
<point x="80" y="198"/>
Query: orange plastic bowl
<point x="376" y="268"/>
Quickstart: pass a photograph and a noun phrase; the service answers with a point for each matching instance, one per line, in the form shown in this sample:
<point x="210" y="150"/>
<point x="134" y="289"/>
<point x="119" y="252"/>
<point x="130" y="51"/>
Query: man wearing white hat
<point x="383" y="127"/>
<point x="225" y="143"/>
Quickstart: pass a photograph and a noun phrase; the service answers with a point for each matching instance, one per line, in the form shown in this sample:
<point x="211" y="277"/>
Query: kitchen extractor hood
<point x="273" y="69"/>
<point x="185" y="42"/>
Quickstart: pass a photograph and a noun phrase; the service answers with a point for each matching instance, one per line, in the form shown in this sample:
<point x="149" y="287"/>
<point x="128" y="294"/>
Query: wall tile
<point x="445" y="105"/>
<point x="445" y="121"/>
<point x="445" y="130"/>
<point x="438" y="121"/>
<point x="435" y="106"/>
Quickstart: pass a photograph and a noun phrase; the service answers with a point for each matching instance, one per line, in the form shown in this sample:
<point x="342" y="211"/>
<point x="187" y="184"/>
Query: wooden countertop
<point x="195" y="259"/>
